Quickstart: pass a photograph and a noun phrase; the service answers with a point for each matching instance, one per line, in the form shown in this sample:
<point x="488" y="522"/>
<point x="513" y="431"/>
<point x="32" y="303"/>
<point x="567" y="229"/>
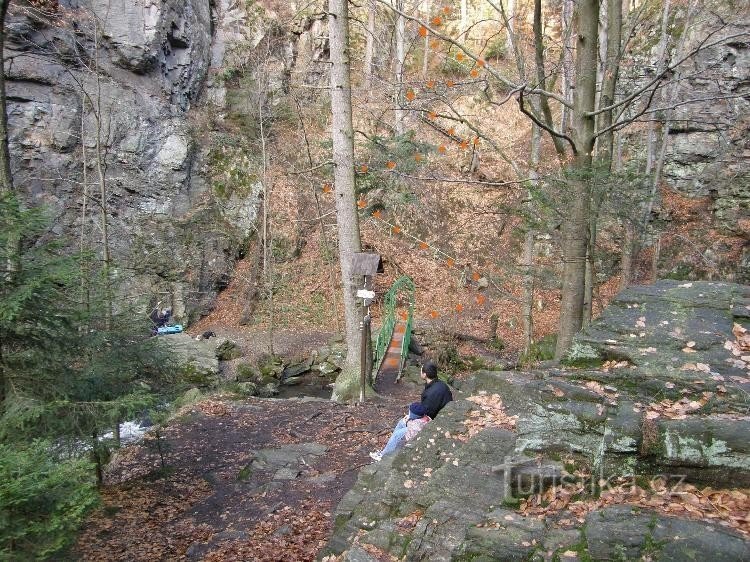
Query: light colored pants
<point x="397" y="438"/>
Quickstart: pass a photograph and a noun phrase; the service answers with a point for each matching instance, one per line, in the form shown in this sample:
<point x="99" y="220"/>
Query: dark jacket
<point x="435" y="395"/>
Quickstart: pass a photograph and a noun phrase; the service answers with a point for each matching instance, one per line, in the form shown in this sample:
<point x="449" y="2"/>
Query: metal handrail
<point x="389" y="321"/>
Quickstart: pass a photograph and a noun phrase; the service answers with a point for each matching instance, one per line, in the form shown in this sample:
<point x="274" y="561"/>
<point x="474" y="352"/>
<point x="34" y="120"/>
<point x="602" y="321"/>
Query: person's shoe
<point x="376" y="456"/>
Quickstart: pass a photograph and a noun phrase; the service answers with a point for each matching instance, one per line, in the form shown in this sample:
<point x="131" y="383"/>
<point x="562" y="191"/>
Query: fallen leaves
<point x="728" y="507"/>
<point x="689" y="347"/>
<point x="612" y="364"/>
<point x="740" y="348"/>
<point x="678" y="409"/>
<point x="213" y="408"/>
<point x="407" y="523"/>
<point x="199" y="499"/>
<point x="491" y="413"/>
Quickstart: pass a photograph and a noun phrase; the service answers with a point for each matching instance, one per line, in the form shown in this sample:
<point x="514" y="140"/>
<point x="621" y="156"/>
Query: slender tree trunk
<point x="589" y="283"/>
<point x="372" y="10"/>
<point x="97" y="458"/>
<point x="660" y="62"/>
<point x="84" y="245"/>
<point x="610" y="74"/>
<point x="12" y="264"/>
<point x="426" y="58"/>
<point x="541" y="75"/>
<point x="346" y="386"/>
<point x="575" y="227"/>
<point x="626" y="260"/>
<point x="6" y="178"/>
<point x="528" y="244"/>
<point x="400" y="114"/>
<point x="510" y="27"/>
<point x="267" y="239"/>
<point x="464" y="24"/>
<point x="567" y="66"/>
<point x="507" y="20"/>
<point x="655" y="164"/>
<point x="655" y="258"/>
<point x="102" y="175"/>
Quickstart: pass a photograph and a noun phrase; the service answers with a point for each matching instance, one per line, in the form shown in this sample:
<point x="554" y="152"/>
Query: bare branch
<point x="544" y="126"/>
<point x="313" y="168"/>
<point x="468" y="52"/>
<point x="460" y="180"/>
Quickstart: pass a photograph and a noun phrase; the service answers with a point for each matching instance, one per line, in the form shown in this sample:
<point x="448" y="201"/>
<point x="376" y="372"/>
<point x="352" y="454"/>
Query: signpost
<point x="366" y="264"/>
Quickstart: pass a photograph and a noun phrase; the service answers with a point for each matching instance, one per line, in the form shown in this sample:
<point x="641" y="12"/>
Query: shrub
<point x="42" y="500"/>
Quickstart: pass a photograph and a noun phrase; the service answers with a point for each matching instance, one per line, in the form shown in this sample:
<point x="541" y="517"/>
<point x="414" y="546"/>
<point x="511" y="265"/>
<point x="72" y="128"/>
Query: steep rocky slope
<point x="581" y="462"/>
<point x="132" y="97"/>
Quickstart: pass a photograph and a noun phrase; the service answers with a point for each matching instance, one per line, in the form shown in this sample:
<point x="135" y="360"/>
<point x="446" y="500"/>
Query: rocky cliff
<point x="121" y="105"/>
<point x="607" y="461"/>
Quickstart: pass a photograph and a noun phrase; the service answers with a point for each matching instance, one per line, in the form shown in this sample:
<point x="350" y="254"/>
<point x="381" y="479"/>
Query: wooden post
<point x="363" y="358"/>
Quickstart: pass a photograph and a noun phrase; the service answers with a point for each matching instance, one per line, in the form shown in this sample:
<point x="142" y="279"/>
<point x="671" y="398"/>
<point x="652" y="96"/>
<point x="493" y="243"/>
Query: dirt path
<point x="252" y="480"/>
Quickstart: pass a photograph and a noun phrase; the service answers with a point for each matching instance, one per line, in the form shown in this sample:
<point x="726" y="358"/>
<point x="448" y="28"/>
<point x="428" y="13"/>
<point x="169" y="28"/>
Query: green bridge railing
<point x="385" y="335"/>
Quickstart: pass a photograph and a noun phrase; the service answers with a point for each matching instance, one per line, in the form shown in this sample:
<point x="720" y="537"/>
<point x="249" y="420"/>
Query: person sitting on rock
<point x="436" y="393"/>
<point x="435" y="396"/>
<point x="160" y="317"/>
<point x="406" y="429"/>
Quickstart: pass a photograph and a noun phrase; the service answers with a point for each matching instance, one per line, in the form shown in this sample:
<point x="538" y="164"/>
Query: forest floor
<point x="256" y="479"/>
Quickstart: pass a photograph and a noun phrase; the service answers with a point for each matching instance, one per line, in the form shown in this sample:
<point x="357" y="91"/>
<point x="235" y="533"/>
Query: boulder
<point x="629" y="533"/>
<point x="651" y="327"/>
<point x="227" y="350"/>
<point x="450" y="493"/>
<point x="195" y="359"/>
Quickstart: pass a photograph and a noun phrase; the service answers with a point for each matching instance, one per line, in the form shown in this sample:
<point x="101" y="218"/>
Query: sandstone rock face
<point x="131" y="85"/>
<point x="708" y="136"/>
<point x="708" y="152"/>
<point x="451" y="493"/>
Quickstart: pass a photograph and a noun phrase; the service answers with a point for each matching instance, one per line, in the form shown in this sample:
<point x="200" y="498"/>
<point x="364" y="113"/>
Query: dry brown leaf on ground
<point x="491" y="413"/>
<point x="729" y="507"/>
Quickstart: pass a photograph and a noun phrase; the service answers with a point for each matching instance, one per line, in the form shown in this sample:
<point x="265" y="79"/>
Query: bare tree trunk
<point x="85" y="267"/>
<point x="507" y="20"/>
<point x="400" y="114"/>
<point x="541" y="74"/>
<point x="567" y="66"/>
<point x="660" y="62"/>
<point x="626" y="260"/>
<point x="372" y="10"/>
<point x="575" y="227"/>
<point x="464" y="19"/>
<point x="102" y="175"/>
<point x="655" y="259"/>
<point x="590" y="276"/>
<point x="610" y="73"/>
<point x="347" y="382"/>
<point x="267" y="240"/>
<point x="13" y="264"/>
<point x="510" y="27"/>
<point x="6" y="178"/>
<point x="528" y="244"/>
<point x="426" y="59"/>
<point x="655" y="163"/>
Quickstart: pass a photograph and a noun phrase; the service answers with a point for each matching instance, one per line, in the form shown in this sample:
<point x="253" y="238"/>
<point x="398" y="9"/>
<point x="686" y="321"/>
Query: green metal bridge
<point x="392" y="344"/>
